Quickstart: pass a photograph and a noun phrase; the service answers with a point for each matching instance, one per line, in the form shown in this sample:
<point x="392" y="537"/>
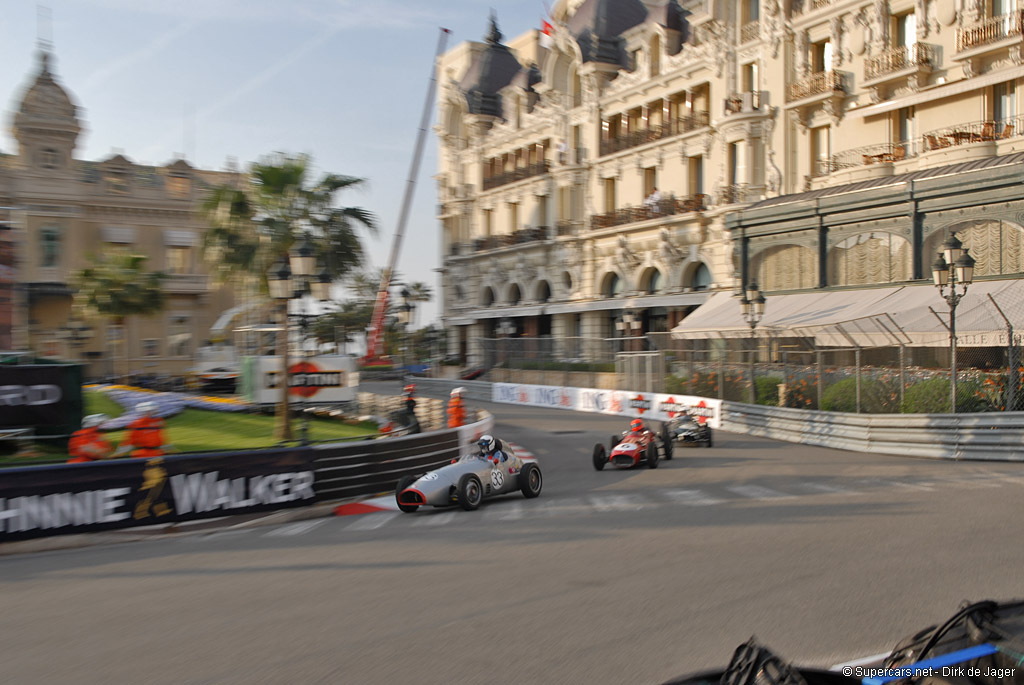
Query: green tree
<point x="418" y="292"/>
<point x="255" y="223"/>
<point x="116" y="286"/>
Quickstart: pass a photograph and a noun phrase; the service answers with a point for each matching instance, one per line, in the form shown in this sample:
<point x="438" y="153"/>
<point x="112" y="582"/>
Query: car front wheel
<point x="600" y="456"/>
<point x="652" y="456"/>
<point x="530" y="480"/>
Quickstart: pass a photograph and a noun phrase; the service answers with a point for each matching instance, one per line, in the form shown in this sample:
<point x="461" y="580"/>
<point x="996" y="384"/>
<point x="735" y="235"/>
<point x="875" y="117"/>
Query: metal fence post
<point x="856" y="355"/>
<point x="903" y="372"/>
<point x="821" y="377"/>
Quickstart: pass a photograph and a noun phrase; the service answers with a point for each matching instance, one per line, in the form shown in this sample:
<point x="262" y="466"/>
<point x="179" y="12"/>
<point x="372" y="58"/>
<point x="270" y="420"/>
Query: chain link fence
<point x="788" y="372"/>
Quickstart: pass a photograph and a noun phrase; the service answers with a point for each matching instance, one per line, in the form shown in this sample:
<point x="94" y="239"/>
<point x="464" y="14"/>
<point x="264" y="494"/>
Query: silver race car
<point x="468" y="481"/>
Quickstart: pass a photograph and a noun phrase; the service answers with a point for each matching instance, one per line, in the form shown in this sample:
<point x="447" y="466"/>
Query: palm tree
<point x="117" y="286"/>
<point x="254" y="224"/>
<point x="419" y="292"/>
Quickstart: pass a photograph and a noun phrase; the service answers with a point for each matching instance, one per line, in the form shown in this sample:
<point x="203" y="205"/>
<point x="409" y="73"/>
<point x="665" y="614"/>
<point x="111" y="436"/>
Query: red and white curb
<point x="388" y="503"/>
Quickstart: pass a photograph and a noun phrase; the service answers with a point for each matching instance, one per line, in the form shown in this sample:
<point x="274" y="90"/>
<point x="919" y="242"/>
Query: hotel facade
<point x="643" y="158"/>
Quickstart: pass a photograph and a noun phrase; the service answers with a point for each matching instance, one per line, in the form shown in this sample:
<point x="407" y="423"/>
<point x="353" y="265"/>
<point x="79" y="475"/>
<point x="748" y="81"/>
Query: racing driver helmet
<point x="487" y="444"/>
<point x="636" y="425"/>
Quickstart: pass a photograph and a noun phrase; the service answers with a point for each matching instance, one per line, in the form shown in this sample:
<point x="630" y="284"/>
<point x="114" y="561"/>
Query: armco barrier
<point x="38" y="501"/>
<point x="350" y="470"/>
<point x="992" y="436"/>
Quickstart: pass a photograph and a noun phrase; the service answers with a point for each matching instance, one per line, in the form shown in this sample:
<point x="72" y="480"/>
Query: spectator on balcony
<point x="653" y="202"/>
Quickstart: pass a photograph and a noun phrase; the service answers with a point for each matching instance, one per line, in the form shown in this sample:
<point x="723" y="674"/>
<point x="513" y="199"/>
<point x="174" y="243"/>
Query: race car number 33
<point x="497" y="478"/>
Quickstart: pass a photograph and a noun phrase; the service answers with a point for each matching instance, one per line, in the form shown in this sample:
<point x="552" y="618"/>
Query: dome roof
<point x="46" y="105"/>
<point x="598" y="26"/>
<point x="490" y="71"/>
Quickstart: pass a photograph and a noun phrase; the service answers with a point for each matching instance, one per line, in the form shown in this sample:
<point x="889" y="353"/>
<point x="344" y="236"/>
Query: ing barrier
<point x="38" y="501"/>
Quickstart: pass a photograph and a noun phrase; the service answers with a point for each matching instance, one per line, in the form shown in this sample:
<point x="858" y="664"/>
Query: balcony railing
<point x="529" y="234"/>
<point x="187" y="283"/>
<point x="898" y="59"/>
<point x="669" y="206"/>
<point x="733" y="194"/>
<point x="750" y="31"/>
<point x="990" y="30"/>
<point x="518" y="174"/>
<point x="743" y="102"/>
<point x="817" y="84"/>
<point x="872" y="154"/>
<point x="683" y="124"/>
<point x="567" y="227"/>
<point x="818" y="4"/>
<point x="974" y="132"/>
<point x="573" y="156"/>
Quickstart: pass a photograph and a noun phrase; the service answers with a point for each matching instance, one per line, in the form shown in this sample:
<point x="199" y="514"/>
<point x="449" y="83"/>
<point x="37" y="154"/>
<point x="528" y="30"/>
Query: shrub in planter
<point x="842" y="396"/>
<point x="766" y="390"/>
<point x="677" y="385"/>
<point x="931" y="396"/>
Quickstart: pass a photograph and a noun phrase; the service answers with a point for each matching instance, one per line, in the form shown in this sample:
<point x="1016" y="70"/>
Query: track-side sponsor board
<point x="655" y="406"/>
<point x="81" y="498"/>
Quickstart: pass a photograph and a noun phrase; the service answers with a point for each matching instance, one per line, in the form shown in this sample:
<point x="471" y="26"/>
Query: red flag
<point x="546" y="31"/>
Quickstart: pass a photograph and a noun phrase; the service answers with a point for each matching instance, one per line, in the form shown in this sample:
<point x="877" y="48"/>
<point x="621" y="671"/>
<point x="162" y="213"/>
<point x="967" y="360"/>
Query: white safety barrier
<point x="655" y="406"/>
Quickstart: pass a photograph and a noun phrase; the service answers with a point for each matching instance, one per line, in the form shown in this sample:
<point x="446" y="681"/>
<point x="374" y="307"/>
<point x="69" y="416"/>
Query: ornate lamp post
<point x="284" y="288"/>
<point x="752" y="306"/>
<point x="954" y="266"/>
<point x="404" y="316"/>
<point x="626" y="326"/>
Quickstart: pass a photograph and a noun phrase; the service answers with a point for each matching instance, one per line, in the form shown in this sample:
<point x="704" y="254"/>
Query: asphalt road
<point x="610" y="577"/>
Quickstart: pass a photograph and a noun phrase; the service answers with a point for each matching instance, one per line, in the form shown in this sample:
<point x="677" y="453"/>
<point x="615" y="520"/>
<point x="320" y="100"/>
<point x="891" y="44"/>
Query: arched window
<point x="653" y="282"/>
<point x="701" y="278"/>
<point x="869" y="258"/>
<point x="996" y="246"/>
<point x="612" y="286"/>
<point x="543" y="291"/>
<point x="514" y="294"/>
<point x="487" y="298"/>
<point x="567" y="281"/>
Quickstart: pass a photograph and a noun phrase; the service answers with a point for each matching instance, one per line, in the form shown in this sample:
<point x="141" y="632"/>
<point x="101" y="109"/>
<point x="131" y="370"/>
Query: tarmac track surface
<point x="611" y="577"/>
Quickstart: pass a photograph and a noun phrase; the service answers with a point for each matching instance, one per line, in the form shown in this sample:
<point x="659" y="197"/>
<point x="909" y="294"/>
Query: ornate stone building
<point x="61" y="211"/>
<point x="819" y="144"/>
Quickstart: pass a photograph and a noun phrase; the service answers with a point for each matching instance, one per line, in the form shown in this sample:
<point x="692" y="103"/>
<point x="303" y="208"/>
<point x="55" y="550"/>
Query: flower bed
<point x="168" y="403"/>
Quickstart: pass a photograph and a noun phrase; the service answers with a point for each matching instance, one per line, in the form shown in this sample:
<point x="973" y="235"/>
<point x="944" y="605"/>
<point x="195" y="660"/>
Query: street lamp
<point x="954" y="266"/>
<point x="284" y="288"/>
<point x="404" y="316"/>
<point x="752" y="306"/>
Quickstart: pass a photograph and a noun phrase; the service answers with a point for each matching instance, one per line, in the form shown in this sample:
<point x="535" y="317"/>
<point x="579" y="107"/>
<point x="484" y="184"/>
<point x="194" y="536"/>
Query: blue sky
<point x="341" y="80"/>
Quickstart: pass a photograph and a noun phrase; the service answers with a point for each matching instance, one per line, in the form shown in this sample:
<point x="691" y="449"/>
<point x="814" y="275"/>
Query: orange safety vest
<point x="456" y="413"/>
<point x="147" y="436"/>
<point x="88" y="445"/>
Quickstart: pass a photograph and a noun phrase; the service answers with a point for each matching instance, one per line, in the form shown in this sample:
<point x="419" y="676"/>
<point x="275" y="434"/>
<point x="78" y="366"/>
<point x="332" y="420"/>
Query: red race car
<point x="638" y="444"/>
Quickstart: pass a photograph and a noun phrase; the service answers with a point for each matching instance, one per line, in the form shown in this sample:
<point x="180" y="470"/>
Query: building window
<point x="48" y="158"/>
<point x="821" y="57"/>
<point x="750" y="77"/>
<point x="904" y="128"/>
<point x="701" y="278"/>
<point x="696" y="180"/>
<point x="513" y="217"/>
<point x="609" y="195"/>
<point x="650" y="181"/>
<point x="49" y="252"/>
<point x="1004" y="102"/>
<point x="654" y="282"/>
<point x="905" y="30"/>
<point x="179" y="338"/>
<point x="488" y="227"/>
<point x="821" y="150"/>
<point x="117" y="181"/>
<point x="150" y="347"/>
<point x="751" y="10"/>
<point x="613" y="286"/>
<point x="178" y="260"/>
<point x="178" y="186"/>
<point x="655" y="55"/>
<point x="737" y="163"/>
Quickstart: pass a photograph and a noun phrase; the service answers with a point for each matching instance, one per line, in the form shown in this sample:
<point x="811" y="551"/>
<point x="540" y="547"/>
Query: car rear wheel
<point x="652" y="456"/>
<point x="600" y="456"/>
<point x="470" y="493"/>
<point x="403" y="483"/>
<point x="530" y="481"/>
